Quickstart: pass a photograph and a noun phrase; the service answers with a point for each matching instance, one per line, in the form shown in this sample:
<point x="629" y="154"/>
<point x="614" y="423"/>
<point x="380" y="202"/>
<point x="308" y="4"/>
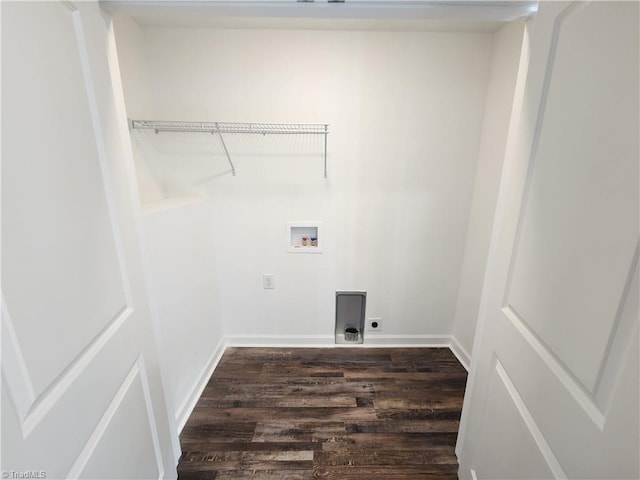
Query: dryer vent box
<point x="350" y="316"/>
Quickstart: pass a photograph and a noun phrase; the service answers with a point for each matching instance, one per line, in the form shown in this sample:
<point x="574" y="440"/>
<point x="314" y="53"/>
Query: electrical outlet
<point x="374" y="324"/>
<point x="268" y="281"/>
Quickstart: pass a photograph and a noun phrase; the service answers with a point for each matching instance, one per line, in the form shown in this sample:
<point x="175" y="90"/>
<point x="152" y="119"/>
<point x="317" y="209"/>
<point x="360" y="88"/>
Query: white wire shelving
<point x="221" y="128"/>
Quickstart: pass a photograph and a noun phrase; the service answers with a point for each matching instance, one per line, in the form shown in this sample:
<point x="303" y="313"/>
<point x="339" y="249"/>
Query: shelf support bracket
<point x="224" y="145"/>
<point x="326" y="132"/>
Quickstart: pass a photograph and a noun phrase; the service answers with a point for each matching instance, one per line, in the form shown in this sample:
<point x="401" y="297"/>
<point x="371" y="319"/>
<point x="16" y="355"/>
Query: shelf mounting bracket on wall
<point x="220" y="128"/>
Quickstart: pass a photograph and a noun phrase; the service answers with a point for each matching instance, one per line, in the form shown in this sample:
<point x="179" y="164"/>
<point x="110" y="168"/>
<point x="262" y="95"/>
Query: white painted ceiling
<point x="392" y="15"/>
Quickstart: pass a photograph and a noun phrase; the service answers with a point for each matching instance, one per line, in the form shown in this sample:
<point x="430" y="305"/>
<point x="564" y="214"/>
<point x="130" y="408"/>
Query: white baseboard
<point x="291" y="341"/>
<point x="189" y="403"/>
<point x="392" y="341"/>
<point x="284" y="341"/>
<point x="460" y="352"/>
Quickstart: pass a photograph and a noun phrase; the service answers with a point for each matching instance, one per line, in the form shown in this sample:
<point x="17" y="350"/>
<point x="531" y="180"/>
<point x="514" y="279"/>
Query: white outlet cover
<point x="268" y="281"/>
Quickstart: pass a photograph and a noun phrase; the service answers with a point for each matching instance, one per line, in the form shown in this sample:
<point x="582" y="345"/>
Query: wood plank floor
<point x="334" y="413"/>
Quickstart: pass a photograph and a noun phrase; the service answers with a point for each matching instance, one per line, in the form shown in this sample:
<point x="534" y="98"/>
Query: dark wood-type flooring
<point x="334" y="413"/>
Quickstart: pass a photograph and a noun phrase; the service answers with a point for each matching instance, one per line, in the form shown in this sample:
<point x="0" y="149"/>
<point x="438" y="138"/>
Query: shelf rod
<point x="224" y="130"/>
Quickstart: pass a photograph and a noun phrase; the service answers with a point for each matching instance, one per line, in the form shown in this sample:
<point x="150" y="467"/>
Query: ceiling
<point x="391" y="15"/>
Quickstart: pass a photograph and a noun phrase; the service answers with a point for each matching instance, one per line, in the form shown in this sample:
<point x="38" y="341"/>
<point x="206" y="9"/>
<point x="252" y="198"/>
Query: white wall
<point x="135" y="83"/>
<point x="504" y="69"/>
<point x="405" y="113"/>
<point x="182" y="271"/>
<point x="179" y="256"/>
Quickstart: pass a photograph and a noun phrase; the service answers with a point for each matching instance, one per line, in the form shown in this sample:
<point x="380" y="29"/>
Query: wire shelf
<point x="233" y="127"/>
<point x="220" y="128"/>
